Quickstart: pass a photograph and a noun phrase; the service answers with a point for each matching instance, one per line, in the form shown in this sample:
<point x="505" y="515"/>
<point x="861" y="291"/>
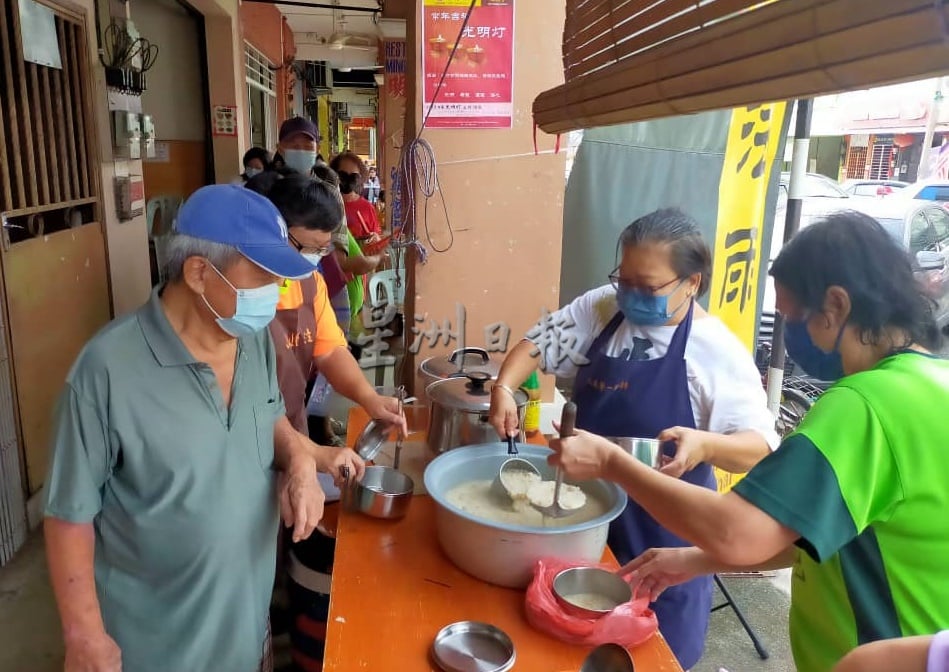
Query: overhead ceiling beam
<point x="319" y="5"/>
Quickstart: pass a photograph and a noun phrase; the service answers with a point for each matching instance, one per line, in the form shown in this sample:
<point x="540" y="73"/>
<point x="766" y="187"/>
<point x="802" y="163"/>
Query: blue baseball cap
<point x="236" y="216"/>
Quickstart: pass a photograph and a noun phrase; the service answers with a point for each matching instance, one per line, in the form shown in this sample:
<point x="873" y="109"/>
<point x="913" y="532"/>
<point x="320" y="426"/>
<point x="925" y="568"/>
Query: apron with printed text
<point x="626" y="397"/>
<point x="294" y="332"/>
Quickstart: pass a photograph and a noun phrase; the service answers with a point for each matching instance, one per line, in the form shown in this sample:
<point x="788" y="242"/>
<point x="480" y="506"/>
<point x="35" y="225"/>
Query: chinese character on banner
<point x="751" y="155"/>
<point x="373" y="339"/>
<point x="496" y="336"/>
<point x="436" y="331"/>
<point x="395" y="68"/>
<point x="484" y="48"/>
<point x="553" y="338"/>
<point x="740" y="267"/>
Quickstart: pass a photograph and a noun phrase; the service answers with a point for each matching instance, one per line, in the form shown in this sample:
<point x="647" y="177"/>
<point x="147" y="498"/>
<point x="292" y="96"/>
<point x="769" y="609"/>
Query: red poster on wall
<point x="478" y="88"/>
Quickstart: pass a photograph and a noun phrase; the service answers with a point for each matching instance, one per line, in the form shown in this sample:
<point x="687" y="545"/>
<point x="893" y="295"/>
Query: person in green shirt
<point x="856" y="499"/>
<point x="172" y="458"/>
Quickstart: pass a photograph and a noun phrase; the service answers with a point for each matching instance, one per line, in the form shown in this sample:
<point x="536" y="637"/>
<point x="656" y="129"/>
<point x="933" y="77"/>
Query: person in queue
<point x="342" y="270"/>
<point x="372" y="186"/>
<point x="256" y="161"/>
<point x="855" y="499"/>
<point x="308" y="340"/>
<point x="169" y="449"/>
<point x="296" y="148"/>
<point x="659" y="366"/>
<point x="305" y="332"/>
<point x="361" y="216"/>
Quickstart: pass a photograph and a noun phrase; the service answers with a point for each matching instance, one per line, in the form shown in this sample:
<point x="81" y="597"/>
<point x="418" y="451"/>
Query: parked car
<point x="928" y="190"/>
<point x="821" y="196"/>
<point x="873" y="187"/>
<point x="921" y="227"/>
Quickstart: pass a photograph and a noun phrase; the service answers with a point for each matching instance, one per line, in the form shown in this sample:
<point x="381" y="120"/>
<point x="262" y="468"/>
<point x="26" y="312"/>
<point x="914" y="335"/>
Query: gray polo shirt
<point x="180" y="489"/>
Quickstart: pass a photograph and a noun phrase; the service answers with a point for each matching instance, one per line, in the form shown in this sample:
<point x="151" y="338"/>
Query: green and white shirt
<point x="865" y="482"/>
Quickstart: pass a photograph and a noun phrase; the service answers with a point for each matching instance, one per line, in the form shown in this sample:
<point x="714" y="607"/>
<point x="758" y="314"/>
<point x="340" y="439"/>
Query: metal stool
<point x="730" y="602"/>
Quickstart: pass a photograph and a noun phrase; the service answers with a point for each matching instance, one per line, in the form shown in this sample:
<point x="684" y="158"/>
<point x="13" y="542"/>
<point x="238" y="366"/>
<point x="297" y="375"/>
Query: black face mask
<point x="348" y="182"/>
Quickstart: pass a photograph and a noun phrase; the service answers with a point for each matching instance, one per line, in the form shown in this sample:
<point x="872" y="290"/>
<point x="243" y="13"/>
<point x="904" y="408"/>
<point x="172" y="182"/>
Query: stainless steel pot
<point x="459" y="364"/>
<point x="459" y="412"/>
<point x="504" y="554"/>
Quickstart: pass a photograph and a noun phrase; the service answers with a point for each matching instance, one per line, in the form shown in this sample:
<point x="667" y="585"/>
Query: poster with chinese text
<point x="478" y="90"/>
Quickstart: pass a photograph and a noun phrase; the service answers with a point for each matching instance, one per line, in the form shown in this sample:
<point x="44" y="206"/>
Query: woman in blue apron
<point x="648" y="361"/>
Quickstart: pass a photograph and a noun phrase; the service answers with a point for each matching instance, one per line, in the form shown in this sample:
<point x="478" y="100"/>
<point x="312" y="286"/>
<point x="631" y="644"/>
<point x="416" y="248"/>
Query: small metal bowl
<point x="470" y="646"/>
<point x="647" y="451"/>
<point x="608" y="658"/>
<point x="383" y="492"/>
<point x="373" y="437"/>
<point x="590" y="581"/>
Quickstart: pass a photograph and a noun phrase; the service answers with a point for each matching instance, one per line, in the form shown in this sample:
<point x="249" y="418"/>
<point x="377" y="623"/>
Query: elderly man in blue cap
<point x="172" y="458"/>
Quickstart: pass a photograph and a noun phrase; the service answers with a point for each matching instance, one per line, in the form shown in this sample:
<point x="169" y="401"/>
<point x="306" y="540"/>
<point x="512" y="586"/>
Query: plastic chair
<point x="160" y="214"/>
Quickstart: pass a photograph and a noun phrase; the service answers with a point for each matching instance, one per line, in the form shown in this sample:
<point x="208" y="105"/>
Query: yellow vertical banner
<point x="754" y="137"/>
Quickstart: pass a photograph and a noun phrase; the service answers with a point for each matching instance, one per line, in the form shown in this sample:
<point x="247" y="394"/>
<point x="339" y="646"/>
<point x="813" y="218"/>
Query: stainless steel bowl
<point x="383" y="492"/>
<point x="608" y="658"/>
<point x="590" y="581"/>
<point x="646" y="451"/>
<point x="505" y="554"/>
<point x="470" y="646"/>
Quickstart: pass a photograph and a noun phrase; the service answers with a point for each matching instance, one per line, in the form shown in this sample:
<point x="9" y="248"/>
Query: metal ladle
<point x="568" y="421"/>
<point x="608" y="658"/>
<point x="509" y="466"/>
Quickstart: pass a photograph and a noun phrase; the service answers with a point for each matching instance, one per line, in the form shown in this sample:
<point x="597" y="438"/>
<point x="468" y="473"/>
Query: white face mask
<point x="252" y="172"/>
<point x="300" y="160"/>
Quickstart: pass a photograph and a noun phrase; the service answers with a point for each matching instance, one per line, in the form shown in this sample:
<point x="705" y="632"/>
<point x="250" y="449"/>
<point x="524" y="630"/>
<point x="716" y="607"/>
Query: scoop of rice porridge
<point x="480" y="500"/>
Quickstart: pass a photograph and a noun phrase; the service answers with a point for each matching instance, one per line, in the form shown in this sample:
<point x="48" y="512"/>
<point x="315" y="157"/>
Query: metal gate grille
<point x="857" y="163"/>
<point x="880" y="161"/>
<point x="13" y="523"/>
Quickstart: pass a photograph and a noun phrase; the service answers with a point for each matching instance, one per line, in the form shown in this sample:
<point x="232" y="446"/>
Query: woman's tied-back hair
<point x="687" y="248"/>
<point x="311" y="202"/>
<point x="852" y="250"/>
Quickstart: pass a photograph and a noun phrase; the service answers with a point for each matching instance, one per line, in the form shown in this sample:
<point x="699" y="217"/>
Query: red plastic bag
<point x="628" y="625"/>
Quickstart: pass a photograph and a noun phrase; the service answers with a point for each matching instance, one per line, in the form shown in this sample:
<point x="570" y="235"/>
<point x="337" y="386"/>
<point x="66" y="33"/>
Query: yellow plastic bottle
<point x="532" y="413"/>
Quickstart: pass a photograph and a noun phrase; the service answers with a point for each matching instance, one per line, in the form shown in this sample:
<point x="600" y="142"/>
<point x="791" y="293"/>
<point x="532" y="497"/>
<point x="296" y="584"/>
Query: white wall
<point x="174" y="96"/>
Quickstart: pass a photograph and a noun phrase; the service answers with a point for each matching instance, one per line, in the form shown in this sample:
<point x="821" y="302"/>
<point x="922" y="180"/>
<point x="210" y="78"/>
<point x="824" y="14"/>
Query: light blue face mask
<point x="256" y="308"/>
<point x="644" y="309"/>
<point x="251" y="173"/>
<point x="300" y="160"/>
<point x="316" y="257"/>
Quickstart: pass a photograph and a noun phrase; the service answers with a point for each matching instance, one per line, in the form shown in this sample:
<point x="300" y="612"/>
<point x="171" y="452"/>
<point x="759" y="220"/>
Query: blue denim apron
<point x="655" y="397"/>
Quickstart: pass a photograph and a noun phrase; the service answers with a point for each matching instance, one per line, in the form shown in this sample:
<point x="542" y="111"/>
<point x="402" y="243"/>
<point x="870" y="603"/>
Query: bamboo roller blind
<point x="631" y="60"/>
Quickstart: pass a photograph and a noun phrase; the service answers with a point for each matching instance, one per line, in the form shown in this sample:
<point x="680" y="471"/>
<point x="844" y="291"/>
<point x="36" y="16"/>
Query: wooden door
<point x="52" y="251"/>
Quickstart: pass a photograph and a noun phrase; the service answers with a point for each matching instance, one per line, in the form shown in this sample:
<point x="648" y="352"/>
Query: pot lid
<point x="460" y="362"/>
<point x="471" y="393"/>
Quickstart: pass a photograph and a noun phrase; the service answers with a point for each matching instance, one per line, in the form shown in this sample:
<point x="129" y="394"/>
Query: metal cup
<point x="646" y="451"/>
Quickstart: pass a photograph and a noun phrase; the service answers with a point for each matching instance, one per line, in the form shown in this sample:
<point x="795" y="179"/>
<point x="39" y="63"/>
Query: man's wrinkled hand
<point x="301" y="497"/>
<point x="331" y="460"/>
<point x="92" y="653"/>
